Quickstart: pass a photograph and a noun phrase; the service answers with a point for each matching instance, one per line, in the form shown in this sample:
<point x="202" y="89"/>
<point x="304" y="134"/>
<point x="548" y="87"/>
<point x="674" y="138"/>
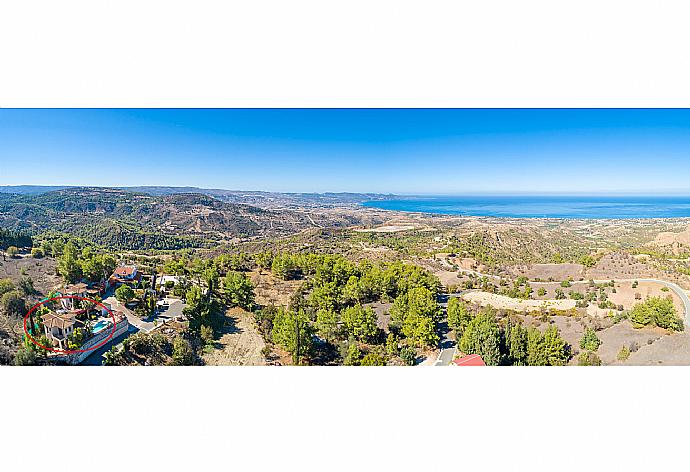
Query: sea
<point x="564" y="207"/>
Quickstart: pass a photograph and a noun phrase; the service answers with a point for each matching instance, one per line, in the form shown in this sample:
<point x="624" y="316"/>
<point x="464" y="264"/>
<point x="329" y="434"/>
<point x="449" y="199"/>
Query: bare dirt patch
<point x="270" y="290"/>
<point x="387" y="229"/>
<point x="240" y="344"/>
<point x="503" y="302"/>
<point x="670" y="349"/>
<point x="620" y="265"/>
<point x="41" y="271"/>
<point x="549" y="271"/>
<point x="623" y="334"/>
<point x="383" y="317"/>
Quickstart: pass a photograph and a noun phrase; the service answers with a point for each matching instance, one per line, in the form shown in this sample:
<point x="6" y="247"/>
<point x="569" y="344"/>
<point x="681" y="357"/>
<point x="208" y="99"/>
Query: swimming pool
<point x="100" y="326"/>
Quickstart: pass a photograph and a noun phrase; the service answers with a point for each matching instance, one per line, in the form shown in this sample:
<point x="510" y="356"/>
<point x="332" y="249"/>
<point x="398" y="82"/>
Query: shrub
<point x="207" y="335"/>
<point x="373" y="359"/>
<point x="354" y="355"/>
<point x="589" y="340"/>
<point x="408" y="355"/>
<point x="656" y="311"/>
<point x="588" y="358"/>
<point x="12" y="251"/>
<point x="623" y="354"/>
<point x="37" y="253"/>
<point x="182" y="352"/>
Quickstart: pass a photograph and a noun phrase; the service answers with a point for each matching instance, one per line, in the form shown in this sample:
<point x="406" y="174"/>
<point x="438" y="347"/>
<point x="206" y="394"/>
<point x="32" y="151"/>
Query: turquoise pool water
<point x="100" y="326"/>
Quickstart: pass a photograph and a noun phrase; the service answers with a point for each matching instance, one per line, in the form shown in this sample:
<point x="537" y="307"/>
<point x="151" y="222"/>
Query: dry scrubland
<point x="488" y="253"/>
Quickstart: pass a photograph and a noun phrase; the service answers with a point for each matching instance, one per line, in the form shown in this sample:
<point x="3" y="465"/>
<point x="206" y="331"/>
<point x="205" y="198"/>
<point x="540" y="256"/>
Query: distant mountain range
<point x="168" y="217"/>
<point x="257" y="198"/>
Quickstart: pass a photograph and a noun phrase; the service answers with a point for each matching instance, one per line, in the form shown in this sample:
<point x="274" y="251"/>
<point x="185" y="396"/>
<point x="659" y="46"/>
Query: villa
<point x="74" y="290"/>
<point x="128" y="275"/>
<point x="58" y="326"/>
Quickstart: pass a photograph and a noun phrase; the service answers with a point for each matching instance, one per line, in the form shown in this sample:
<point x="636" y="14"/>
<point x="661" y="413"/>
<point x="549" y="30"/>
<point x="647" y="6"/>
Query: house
<point x="59" y="325"/>
<point x="163" y="280"/>
<point x="471" y="360"/>
<point x="74" y="290"/>
<point x="124" y="275"/>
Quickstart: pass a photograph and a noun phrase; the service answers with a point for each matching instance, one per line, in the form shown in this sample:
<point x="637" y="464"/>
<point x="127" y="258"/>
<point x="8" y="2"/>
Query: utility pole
<point x="296" y="361"/>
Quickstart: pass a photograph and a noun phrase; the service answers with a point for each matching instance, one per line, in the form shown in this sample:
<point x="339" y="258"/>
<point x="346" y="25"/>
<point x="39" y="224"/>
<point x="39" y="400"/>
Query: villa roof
<point x="471" y="360"/>
<point x="76" y="288"/>
<point x="125" y="274"/>
<point x="59" y="320"/>
<point x="124" y="271"/>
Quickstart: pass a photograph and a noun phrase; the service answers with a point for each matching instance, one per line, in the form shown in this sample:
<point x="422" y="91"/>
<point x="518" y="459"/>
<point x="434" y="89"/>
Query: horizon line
<point x="485" y="193"/>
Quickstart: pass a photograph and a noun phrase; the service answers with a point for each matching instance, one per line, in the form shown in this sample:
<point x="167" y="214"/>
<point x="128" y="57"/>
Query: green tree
<point x="238" y="290"/>
<point x="13" y="304"/>
<point x="263" y="259"/>
<point x="589" y="340"/>
<point x="68" y="265"/>
<point x="555" y="348"/>
<point x="354" y="355"/>
<point x="182" y="352"/>
<point x="360" y="323"/>
<point x="392" y="345"/>
<point x="587" y="261"/>
<point x="482" y="336"/>
<point x="373" y="359"/>
<point x="420" y="330"/>
<point x="418" y="301"/>
<point x="459" y="316"/>
<point x="656" y="311"/>
<point x="26" y="285"/>
<point x="327" y="324"/>
<point x="207" y="337"/>
<point x="408" y="355"/>
<point x="352" y="291"/>
<point x="283" y="267"/>
<point x="588" y="358"/>
<point x="12" y="251"/>
<point x="124" y="294"/>
<point x="6" y="285"/>
<point x="292" y="332"/>
<point x="25" y="356"/>
<point x="536" y="353"/>
<point x="516" y="343"/>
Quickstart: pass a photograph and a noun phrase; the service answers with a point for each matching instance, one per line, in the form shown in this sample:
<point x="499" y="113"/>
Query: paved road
<point x="448" y="347"/>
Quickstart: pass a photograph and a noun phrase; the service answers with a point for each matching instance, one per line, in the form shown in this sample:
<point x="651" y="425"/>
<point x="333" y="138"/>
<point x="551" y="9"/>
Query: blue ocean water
<point x="572" y="207"/>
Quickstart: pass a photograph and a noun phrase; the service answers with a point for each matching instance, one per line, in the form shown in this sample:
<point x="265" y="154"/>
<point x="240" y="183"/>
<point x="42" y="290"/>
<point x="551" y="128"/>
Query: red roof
<point x="471" y="360"/>
<point x="124" y="271"/>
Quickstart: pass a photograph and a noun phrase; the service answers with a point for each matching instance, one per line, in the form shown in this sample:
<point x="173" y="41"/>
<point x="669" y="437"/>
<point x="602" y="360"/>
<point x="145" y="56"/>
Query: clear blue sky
<point x="399" y="151"/>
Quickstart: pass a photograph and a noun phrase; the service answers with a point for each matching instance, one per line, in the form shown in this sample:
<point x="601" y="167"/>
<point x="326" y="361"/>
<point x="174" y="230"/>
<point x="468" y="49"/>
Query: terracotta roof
<point x="75" y="288"/>
<point x="59" y="320"/>
<point x="124" y="271"/>
<point x="471" y="360"/>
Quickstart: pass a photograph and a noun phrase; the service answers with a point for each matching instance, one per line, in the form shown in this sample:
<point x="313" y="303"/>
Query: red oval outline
<point x="70" y="351"/>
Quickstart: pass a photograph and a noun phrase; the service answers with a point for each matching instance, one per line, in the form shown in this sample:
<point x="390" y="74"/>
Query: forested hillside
<point x="130" y="220"/>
